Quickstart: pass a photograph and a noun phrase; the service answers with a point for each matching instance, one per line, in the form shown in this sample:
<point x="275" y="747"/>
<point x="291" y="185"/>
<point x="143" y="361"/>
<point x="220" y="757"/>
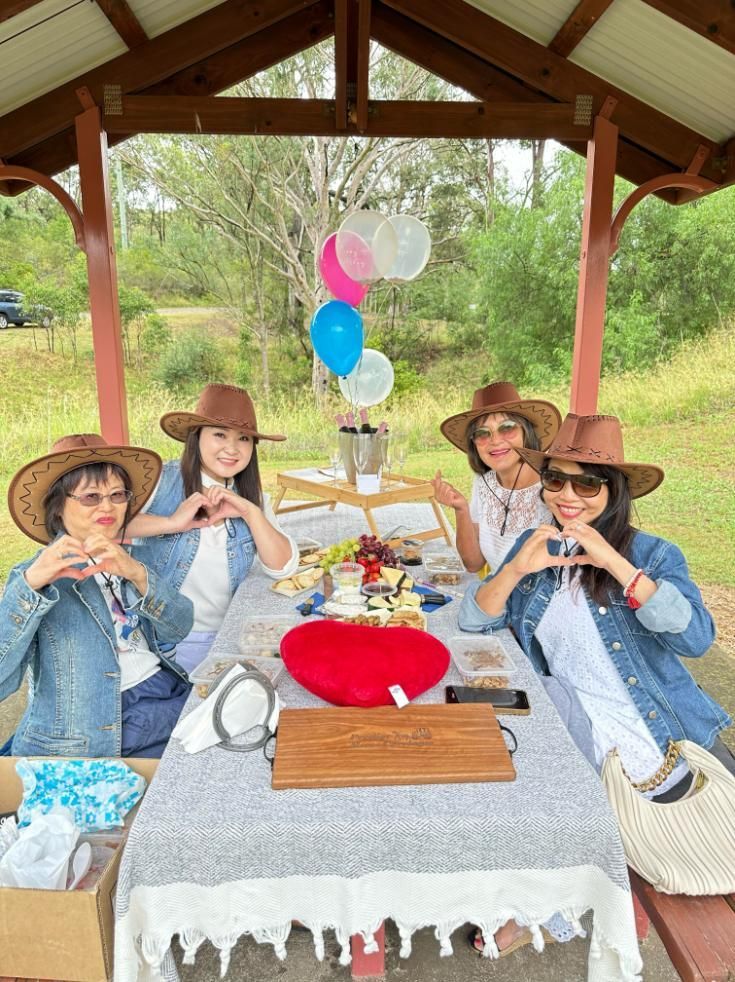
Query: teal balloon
<point x="337" y="336"/>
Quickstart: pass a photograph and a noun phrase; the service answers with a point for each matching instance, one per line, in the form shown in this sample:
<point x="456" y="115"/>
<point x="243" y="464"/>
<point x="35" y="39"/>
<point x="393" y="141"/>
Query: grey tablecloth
<point x="215" y="853"/>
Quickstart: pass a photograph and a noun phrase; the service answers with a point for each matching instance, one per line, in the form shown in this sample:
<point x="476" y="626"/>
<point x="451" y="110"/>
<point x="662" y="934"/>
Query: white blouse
<point x="527" y="511"/>
<point x="574" y="651"/>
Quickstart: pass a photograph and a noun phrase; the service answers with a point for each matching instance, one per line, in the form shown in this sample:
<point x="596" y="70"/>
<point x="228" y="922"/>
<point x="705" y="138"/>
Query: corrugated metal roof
<point x="157" y="16"/>
<point x="537" y="19"/>
<point x="663" y="63"/>
<point x="42" y="48"/>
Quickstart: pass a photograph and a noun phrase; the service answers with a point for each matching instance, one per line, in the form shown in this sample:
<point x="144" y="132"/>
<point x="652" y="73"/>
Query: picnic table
<point x="215" y="854"/>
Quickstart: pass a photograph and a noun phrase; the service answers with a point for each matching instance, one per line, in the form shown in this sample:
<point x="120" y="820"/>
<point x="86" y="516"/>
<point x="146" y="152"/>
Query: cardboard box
<point x="56" y="934"/>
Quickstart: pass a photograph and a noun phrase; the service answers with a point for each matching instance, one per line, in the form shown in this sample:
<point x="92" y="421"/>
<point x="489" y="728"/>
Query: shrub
<point x="192" y="361"/>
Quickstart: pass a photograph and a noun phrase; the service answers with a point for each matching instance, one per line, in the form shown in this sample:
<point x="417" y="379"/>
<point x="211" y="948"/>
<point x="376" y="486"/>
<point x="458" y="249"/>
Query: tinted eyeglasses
<point x="583" y="485"/>
<point x="93" y="498"/>
<point x="504" y="430"/>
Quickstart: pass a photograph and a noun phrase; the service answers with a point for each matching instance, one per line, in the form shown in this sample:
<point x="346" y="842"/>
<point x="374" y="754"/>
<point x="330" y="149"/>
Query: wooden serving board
<point x="349" y="747"/>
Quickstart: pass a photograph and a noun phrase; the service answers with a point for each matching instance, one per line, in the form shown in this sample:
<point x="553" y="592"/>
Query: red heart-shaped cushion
<point x="353" y="664"/>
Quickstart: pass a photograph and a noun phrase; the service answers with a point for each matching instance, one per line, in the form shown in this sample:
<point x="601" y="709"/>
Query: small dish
<point x="378" y="588"/>
<point x="477" y="655"/>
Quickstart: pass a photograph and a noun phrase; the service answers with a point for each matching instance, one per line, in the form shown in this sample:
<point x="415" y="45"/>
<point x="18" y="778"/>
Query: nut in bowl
<point x="299" y="582"/>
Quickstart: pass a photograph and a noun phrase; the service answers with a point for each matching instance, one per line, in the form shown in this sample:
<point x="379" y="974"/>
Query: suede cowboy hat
<point x="29" y="487"/>
<point x="219" y="405"/>
<point x="503" y="397"/>
<point x="596" y="440"/>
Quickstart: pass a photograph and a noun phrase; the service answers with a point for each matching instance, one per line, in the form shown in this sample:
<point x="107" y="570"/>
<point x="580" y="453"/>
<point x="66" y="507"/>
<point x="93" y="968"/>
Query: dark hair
<point x="54" y="500"/>
<point x="614" y="526"/>
<point x="247" y="481"/>
<point x="530" y="440"/>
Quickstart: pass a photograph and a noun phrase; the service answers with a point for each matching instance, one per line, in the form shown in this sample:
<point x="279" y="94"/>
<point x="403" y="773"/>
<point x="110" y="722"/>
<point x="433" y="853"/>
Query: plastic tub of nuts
<point x="213" y="665"/>
<point x="261" y="636"/>
<point x="443" y="568"/>
<point x="480" y="655"/>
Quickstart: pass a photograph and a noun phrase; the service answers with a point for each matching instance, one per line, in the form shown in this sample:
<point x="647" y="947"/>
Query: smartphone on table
<point x="504" y="701"/>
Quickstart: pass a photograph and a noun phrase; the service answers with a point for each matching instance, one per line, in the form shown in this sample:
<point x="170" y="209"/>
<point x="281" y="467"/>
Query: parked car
<point x="13" y="311"/>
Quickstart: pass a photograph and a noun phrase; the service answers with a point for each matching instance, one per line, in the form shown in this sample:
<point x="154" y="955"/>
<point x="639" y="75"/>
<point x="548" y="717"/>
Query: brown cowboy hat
<point x="596" y="440"/>
<point x="31" y="484"/>
<point x="503" y="397"/>
<point x="219" y="405"/>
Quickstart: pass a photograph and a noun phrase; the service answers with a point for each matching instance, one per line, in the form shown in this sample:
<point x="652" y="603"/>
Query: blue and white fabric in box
<point x="99" y="793"/>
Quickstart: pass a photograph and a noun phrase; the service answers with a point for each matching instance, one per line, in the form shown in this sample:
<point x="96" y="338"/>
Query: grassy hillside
<point x="679" y="415"/>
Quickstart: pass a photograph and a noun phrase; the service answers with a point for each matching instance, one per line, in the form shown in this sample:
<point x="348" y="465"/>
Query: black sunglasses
<point x="583" y="485"/>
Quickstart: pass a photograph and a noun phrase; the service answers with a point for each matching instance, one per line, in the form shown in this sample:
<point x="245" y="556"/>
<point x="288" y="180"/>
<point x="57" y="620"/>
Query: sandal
<point x="477" y="942"/>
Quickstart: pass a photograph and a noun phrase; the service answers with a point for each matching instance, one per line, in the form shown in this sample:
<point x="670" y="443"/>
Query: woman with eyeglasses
<point x="208" y="520"/>
<point x="91" y="626"/>
<point x="505" y="495"/>
<point x="608" y="612"/>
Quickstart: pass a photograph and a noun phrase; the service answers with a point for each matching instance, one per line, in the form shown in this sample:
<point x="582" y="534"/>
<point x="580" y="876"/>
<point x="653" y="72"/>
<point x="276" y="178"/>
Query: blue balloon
<point x="336" y="333"/>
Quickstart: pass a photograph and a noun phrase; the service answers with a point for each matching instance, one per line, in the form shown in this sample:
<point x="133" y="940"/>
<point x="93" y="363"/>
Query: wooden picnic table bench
<point x="697" y="932"/>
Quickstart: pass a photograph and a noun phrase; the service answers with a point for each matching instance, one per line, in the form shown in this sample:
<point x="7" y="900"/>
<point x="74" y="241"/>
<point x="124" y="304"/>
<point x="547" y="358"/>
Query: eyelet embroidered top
<point x="527" y="511"/>
<point x="574" y="651"/>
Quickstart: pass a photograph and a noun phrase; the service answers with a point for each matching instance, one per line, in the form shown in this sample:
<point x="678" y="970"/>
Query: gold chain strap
<point x="670" y="758"/>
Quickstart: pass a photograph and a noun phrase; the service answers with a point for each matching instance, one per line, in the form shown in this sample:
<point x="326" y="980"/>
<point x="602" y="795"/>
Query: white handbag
<point x="685" y="846"/>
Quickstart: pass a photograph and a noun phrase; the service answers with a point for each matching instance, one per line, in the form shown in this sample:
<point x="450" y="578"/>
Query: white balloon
<point x="367" y="246"/>
<point x="414" y="248"/>
<point x="370" y="381"/>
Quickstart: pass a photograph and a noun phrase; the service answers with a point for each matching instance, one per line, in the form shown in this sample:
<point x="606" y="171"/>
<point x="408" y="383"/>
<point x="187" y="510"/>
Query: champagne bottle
<point x="382" y="428"/>
<point x="342" y="423"/>
<point x="350" y="417"/>
<point x="365" y="428"/>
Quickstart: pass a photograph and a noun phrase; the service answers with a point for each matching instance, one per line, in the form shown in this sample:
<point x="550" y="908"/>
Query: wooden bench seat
<point x="697" y="932"/>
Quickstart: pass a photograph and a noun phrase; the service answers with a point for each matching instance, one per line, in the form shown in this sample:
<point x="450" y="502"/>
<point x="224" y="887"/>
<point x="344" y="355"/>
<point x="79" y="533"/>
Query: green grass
<point x="679" y="415"/>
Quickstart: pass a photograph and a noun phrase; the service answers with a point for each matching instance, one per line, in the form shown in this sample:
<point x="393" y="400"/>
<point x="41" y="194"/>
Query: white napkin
<point x="40" y="856"/>
<point x="246" y="706"/>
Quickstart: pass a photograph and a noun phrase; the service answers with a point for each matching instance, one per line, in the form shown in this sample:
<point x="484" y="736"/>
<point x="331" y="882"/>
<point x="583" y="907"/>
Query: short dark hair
<point x="54" y="501"/>
<point x="246" y="482"/>
<point x="530" y="439"/>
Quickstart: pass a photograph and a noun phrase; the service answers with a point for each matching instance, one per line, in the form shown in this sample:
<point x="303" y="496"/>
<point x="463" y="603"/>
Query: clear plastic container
<point x="307" y="545"/>
<point x="213" y="665"/>
<point x="411" y="552"/>
<point x="261" y="636"/>
<point x="480" y="654"/>
<point x="347" y="578"/>
<point x="443" y="568"/>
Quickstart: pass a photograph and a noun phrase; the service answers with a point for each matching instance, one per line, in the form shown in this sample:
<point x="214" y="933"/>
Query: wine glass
<point x="402" y="453"/>
<point x="362" y="446"/>
<point x="335" y="455"/>
<point x="385" y="456"/>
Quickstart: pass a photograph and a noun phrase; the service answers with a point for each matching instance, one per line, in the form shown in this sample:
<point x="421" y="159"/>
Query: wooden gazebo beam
<point x="316" y="117"/>
<point x="526" y="59"/>
<point x="12" y="7"/>
<point x="581" y="20"/>
<point x="124" y="21"/>
<point x="148" y="64"/>
<point x="713" y="19"/>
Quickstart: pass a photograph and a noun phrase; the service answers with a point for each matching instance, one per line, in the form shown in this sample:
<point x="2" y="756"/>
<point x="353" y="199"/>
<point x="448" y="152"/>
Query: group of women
<point x="106" y="629"/>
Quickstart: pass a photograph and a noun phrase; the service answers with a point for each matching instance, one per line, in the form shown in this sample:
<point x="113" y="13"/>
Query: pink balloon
<point x="339" y="284"/>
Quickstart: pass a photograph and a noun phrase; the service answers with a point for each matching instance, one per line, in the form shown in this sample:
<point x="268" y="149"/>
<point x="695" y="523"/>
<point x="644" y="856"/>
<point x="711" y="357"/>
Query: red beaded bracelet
<point x="630" y="589"/>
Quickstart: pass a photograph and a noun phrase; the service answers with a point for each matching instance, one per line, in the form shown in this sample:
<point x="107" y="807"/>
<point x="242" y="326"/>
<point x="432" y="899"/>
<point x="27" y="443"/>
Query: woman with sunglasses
<point x="505" y="495"/>
<point x="93" y="628"/>
<point x="608" y="612"/>
<point x="208" y="519"/>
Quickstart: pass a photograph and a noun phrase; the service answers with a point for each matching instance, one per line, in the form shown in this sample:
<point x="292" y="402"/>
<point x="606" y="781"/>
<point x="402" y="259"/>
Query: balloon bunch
<point x="367" y="248"/>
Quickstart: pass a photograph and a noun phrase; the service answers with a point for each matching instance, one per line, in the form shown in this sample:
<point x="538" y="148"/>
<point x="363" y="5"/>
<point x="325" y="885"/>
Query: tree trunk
<point x="537" y="186"/>
<point x="264" y="366"/>
<point x="490" y="211"/>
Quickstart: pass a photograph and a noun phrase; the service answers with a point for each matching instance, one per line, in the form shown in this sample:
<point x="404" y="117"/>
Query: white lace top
<point x="527" y="511"/>
<point x="575" y="652"/>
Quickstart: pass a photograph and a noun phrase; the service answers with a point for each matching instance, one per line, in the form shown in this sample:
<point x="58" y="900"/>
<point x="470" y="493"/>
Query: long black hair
<point x="55" y="498"/>
<point x="530" y="439"/>
<point x="246" y="482"/>
<point x="613" y="525"/>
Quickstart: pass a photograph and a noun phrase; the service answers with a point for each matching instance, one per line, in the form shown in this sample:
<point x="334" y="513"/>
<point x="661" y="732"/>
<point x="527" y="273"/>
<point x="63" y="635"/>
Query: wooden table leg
<point x="278" y="499"/>
<point x="371" y="522"/>
<point x="441" y="519"/>
<point x="368" y="966"/>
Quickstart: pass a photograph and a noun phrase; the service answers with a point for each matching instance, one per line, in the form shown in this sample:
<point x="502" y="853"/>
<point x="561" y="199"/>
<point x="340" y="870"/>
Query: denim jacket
<point x="645" y="645"/>
<point x="63" y="636"/>
<point x="171" y="556"/>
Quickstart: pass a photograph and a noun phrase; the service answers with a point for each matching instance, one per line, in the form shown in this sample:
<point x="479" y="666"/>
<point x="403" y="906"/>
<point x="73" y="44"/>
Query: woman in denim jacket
<point x="208" y="518"/>
<point x="607" y="611"/>
<point x="92" y="627"/>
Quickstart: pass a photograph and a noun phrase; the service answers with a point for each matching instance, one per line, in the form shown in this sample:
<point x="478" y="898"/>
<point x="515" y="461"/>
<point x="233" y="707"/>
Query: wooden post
<point x="102" y="273"/>
<point x="593" y="267"/>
